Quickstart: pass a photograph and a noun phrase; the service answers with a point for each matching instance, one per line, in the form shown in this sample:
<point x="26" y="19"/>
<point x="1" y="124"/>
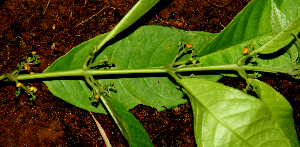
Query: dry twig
<point x="219" y="6"/>
<point x="46" y="7"/>
<point x="82" y="22"/>
<point x="106" y="140"/>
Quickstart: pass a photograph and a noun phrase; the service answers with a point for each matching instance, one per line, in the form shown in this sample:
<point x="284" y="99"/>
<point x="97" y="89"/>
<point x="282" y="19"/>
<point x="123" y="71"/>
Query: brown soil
<point x="53" y="27"/>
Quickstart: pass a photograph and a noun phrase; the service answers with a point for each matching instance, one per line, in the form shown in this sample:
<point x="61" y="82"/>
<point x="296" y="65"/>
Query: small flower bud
<point x="96" y="97"/>
<point x="27" y="67"/>
<point x="33" y="53"/>
<point x="245" y="50"/>
<point x="19" y="84"/>
<point x="188" y="45"/>
<point x="32" y="88"/>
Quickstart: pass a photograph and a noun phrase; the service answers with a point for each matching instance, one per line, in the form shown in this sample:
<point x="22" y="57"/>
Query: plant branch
<point x="81" y="72"/>
<point x="3" y="77"/>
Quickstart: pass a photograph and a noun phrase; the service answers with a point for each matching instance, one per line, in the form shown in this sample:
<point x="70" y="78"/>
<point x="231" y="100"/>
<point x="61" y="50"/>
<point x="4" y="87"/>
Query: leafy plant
<point x="156" y="66"/>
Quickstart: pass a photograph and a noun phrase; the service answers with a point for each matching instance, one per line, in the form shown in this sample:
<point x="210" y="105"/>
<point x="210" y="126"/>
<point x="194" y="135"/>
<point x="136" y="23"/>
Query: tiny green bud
<point x="29" y="59"/>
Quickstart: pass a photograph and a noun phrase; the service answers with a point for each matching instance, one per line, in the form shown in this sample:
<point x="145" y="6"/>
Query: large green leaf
<point x="135" y="13"/>
<point x="253" y="22"/>
<point x="227" y="117"/>
<point x="282" y="38"/>
<point x="282" y="112"/>
<point x="265" y="23"/>
<point x="131" y="128"/>
<point x="148" y="46"/>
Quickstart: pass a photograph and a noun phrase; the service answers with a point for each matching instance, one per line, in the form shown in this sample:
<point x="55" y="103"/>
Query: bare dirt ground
<point x="54" y="27"/>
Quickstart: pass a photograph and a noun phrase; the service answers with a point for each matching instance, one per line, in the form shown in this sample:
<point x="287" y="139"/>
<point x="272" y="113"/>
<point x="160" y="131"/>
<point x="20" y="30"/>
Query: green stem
<point x="233" y="67"/>
<point x="89" y="81"/>
<point x="81" y="72"/>
<point x="86" y="61"/>
<point x="264" y="69"/>
<point x="297" y="40"/>
<point x="3" y="77"/>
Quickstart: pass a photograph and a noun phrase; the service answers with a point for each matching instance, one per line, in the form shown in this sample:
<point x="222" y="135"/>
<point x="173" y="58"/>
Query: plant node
<point x="29" y="89"/>
<point x="255" y="75"/>
<point x="23" y="66"/>
<point x="100" y="90"/>
<point x="294" y="71"/>
<point x="249" y="53"/>
<point x="105" y="63"/>
<point x="192" y="60"/>
<point x="253" y="87"/>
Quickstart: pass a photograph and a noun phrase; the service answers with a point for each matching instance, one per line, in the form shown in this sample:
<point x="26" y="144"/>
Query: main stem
<point x="82" y="72"/>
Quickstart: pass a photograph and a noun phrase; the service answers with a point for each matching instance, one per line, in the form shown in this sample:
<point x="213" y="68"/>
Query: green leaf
<point x="282" y="39"/>
<point x="282" y="112"/>
<point x="266" y="24"/>
<point x="232" y="54"/>
<point x="224" y="116"/>
<point x="135" y="13"/>
<point x="252" y="23"/>
<point x="148" y="46"/>
<point x="278" y="19"/>
<point x="131" y="128"/>
<point x="293" y="51"/>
